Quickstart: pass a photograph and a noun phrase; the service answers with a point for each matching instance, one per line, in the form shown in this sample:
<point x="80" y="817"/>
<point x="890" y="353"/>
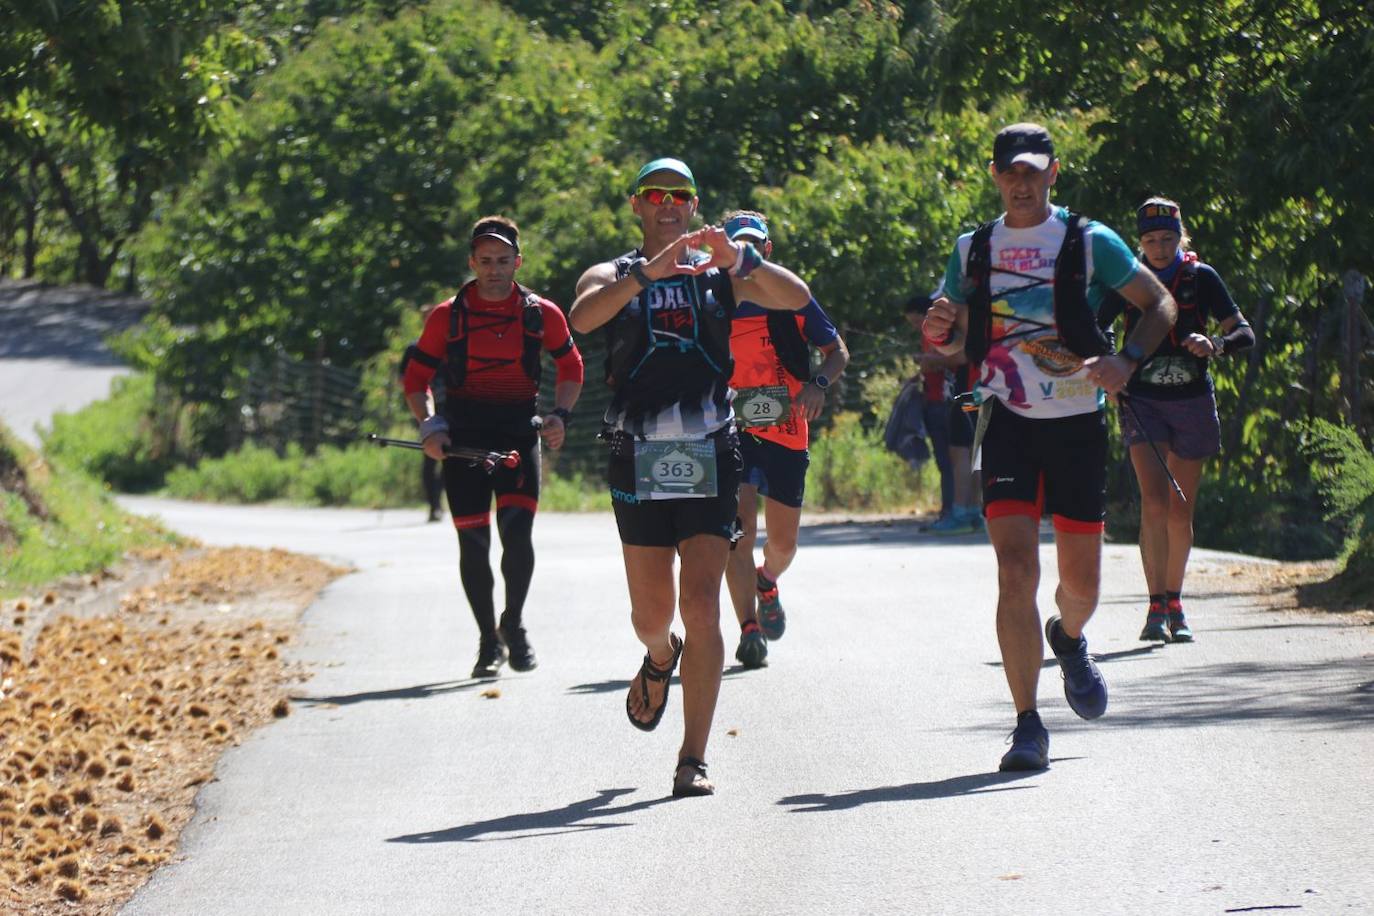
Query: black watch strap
<point x="563" y="414"/>
<point x="637" y="271"/>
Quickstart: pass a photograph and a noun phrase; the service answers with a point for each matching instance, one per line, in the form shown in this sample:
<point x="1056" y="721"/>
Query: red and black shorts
<point x="470" y="488"/>
<point x="1056" y="465"/>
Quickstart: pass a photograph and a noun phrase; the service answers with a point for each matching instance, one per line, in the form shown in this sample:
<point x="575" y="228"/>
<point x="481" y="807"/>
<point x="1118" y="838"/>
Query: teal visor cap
<point x="676" y="166"/>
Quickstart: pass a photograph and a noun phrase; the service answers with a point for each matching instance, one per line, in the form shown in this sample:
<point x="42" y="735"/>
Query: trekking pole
<point x="488" y="460"/>
<point x="1124" y="399"/>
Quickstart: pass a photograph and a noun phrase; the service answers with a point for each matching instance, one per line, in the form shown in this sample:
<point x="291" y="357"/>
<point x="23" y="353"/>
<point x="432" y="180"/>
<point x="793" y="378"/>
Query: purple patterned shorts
<point x="1189" y="426"/>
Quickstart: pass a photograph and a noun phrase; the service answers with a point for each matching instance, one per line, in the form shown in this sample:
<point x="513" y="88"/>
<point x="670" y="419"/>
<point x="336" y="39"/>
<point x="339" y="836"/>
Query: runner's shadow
<point x="977" y="784"/>
<point x="574" y="818"/>
<point x="418" y="692"/>
<point x="1049" y="663"/>
<point x="595" y="687"/>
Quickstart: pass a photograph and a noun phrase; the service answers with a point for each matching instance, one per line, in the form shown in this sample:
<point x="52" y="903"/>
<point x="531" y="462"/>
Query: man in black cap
<point x="1022" y="294"/>
<point x="489" y="339"/>
<point x="674" y="467"/>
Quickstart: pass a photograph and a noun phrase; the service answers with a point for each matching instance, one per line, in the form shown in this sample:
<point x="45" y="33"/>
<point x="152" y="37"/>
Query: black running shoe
<point x="491" y="655"/>
<point x="1030" y="745"/>
<point x="753" y="647"/>
<point x="518" y="645"/>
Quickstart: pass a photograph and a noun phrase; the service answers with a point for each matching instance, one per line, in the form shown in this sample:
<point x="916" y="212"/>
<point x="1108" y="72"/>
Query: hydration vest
<point x="632" y="343"/>
<point x="1073" y="320"/>
<point x="532" y="326"/>
<point x="793" y="351"/>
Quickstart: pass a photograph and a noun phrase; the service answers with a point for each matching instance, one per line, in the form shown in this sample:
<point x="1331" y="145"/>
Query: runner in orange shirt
<point x="777" y="395"/>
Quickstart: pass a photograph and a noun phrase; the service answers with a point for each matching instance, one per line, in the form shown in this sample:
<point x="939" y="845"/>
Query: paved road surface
<point x="52" y="352"/>
<point x="1234" y="773"/>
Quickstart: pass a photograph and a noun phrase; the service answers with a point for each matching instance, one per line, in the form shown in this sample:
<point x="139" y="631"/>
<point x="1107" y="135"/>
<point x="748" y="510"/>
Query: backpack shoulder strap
<point x="1076" y="324"/>
<point x="979" y="272"/>
<point x="793" y="351"/>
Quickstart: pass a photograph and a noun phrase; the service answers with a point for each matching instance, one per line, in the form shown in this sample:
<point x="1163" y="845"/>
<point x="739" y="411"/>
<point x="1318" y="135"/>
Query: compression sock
<point x="474" y="567"/>
<point x="517" y="559"/>
<point x="1174" y="600"/>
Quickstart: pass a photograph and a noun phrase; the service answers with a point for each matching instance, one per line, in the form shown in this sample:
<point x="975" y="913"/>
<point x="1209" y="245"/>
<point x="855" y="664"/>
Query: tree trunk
<point x="31" y="221"/>
<point x="1354" y="285"/>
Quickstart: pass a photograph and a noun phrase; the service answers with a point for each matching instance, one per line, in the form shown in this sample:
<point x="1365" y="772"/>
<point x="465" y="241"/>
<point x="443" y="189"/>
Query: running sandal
<point x="648" y="671"/>
<point x="753" y="647"/>
<point x="1154" y="630"/>
<point x="1179" y="631"/>
<point x="491" y="655"/>
<point x="521" y="653"/>
<point x="689" y="779"/>
<point x="1030" y="745"/>
<point x="1084" y="686"/>
<point x="772" y="618"/>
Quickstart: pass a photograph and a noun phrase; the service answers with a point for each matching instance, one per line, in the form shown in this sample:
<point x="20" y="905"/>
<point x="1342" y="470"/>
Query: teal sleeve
<point x="1113" y="263"/>
<point x="956" y="284"/>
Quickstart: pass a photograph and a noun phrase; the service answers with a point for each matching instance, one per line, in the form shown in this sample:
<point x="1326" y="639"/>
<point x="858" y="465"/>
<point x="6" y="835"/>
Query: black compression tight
<point x="515" y="526"/>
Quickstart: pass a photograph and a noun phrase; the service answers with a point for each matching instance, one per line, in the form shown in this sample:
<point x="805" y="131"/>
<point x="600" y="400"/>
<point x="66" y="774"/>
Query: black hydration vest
<point x="532" y="326"/>
<point x="793" y="351"/>
<point x="649" y="370"/>
<point x="1073" y="320"/>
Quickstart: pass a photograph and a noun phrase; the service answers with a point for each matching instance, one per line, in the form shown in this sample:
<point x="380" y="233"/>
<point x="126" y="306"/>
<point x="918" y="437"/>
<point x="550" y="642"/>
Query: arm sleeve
<point x="1112" y="262"/>
<point x="1214" y="294"/>
<point x="817" y="326"/>
<point x="429" y="351"/>
<point x="558" y="341"/>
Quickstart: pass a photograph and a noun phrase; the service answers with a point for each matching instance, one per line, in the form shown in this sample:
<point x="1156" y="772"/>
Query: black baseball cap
<point x="495" y="229"/>
<point x="1025" y="142"/>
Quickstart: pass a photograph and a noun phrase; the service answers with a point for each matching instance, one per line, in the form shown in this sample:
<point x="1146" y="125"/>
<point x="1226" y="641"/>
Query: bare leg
<point x="1080" y="572"/>
<point x="961" y="466"/>
<point x="703" y="564"/>
<point x="739" y="569"/>
<point x="1016" y="540"/>
<point x="781" y="547"/>
<point x="1188" y="473"/>
<point x="649" y="574"/>
<point x="1155" y="495"/>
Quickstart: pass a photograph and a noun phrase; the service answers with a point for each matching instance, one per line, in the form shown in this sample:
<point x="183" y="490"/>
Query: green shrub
<point x="360" y="475"/>
<point x="1344" y="468"/>
<point x="576" y="493"/>
<point x="114" y="440"/>
<point x="851" y="469"/>
<point x="252" y="474"/>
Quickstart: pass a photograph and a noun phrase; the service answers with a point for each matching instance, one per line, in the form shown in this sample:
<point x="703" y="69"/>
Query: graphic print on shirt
<point x="1028" y="367"/>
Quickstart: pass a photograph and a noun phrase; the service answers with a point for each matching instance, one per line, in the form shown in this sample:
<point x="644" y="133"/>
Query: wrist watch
<point x="1133" y="352"/>
<point x="1218" y="344"/>
<point x="820" y="381"/>
<point x="563" y="414"/>
<point x="637" y="271"/>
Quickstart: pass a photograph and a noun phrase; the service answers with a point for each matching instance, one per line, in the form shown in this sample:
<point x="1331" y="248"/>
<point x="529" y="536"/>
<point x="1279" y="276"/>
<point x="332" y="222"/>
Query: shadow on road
<point x="38" y="321"/>
<point x="574" y="818"/>
<point x="1327" y="694"/>
<point x="978" y="784"/>
<point x="615" y="686"/>
<point x="886" y="531"/>
<point x="418" y="692"/>
<point x="1102" y="657"/>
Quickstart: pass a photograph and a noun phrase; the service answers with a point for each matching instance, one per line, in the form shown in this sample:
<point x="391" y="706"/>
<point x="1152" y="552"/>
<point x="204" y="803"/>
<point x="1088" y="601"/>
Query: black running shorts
<point x="470" y="488"/>
<point x="669" y="522"/>
<point x="1056" y="465"/>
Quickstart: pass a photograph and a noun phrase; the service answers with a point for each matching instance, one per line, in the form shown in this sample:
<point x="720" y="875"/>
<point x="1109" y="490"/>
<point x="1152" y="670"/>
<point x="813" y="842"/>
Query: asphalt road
<point x="52" y="352"/>
<point x="856" y="774"/>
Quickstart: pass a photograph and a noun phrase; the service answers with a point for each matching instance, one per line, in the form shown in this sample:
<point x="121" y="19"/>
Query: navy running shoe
<point x="1084" y="687"/>
<point x="1030" y="745"/>
<point x="772" y="617"/>
<point x="1155" y="630"/>
<point x="1179" y="631"/>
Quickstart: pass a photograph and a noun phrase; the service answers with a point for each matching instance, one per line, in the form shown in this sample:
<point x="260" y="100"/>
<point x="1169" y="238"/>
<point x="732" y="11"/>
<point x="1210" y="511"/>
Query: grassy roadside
<point x="56" y="522"/>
